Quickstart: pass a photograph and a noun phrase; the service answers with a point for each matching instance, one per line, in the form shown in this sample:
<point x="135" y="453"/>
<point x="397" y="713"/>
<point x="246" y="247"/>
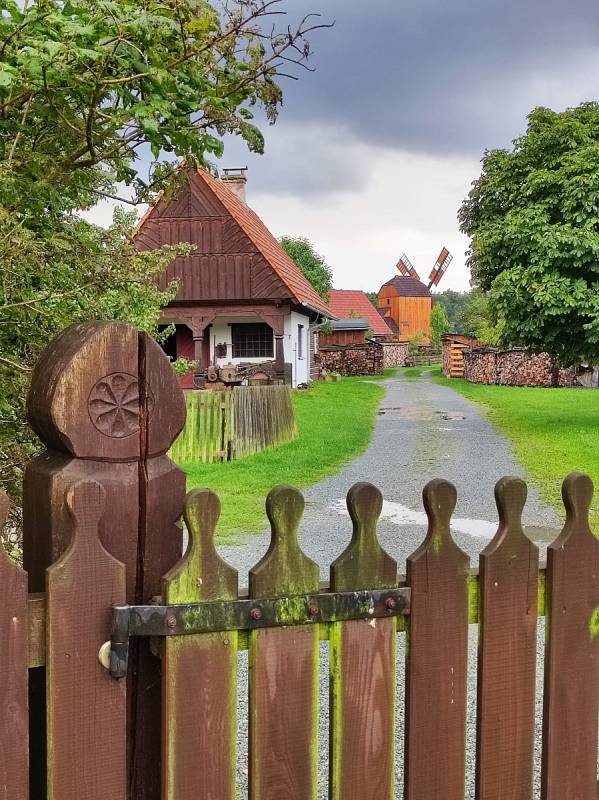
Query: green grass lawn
<point x="335" y="423"/>
<point x="553" y="431"/>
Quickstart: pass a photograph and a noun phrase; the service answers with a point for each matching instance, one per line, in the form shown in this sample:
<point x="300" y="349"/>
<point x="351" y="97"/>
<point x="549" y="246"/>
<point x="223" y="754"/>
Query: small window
<point x="300" y="341"/>
<point x="252" y="340"/>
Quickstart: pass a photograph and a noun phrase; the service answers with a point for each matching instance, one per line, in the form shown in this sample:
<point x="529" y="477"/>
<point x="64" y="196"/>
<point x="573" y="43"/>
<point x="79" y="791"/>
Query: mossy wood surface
<point x="231" y="424"/>
<point x="436" y="669"/>
<point x="362" y="658"/>
<point x="199" y="672"/>
<point x="571" y="700"/>
<point x="283" y="692"/>
<point x="508" y="581"/>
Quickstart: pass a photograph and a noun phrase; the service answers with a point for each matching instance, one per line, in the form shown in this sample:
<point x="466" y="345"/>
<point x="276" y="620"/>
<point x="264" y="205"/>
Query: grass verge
<point x="553" y="431"/>
<point x="335" y="422"/>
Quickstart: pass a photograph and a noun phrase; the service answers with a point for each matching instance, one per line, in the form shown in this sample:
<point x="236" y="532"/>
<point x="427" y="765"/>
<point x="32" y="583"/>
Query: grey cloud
<point x="444" y="77"/>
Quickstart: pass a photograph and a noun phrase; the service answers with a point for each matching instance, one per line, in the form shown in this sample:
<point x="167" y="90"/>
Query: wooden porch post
<point x="198" y="325"/>
<point x="279" y="357"/>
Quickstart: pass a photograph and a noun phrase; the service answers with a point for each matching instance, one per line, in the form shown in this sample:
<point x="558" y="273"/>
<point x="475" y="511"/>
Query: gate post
<point x="105" y="402"/>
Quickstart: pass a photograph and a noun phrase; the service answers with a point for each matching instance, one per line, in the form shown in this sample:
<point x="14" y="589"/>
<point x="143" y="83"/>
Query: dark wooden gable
<point x="226" y="265"/>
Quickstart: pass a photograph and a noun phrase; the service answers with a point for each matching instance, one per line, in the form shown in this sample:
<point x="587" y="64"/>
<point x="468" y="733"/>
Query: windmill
<point x="444" y="259"/>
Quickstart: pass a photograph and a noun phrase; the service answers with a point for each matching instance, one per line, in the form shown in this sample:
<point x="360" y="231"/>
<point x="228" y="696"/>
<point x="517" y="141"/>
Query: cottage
<point x="243" y="306"/>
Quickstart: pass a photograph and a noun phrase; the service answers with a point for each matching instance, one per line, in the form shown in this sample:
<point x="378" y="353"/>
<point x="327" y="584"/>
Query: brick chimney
<point x="236" y="180"/>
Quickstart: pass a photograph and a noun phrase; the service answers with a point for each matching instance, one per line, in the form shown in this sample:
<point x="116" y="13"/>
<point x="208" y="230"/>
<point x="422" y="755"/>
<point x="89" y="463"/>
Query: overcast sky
<point x="375" y="150"/>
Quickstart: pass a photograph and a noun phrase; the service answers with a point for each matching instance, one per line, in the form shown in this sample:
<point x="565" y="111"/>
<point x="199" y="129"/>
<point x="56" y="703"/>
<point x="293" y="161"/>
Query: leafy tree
<point x="439" y="324"/>
<point x="479" y="318"/>
<point x="313" y="265"/>
<point x="373" y="297"/>
<point x="453" y="302"/>
<point x="90" y="92"/>
<point x="533" y="216"/>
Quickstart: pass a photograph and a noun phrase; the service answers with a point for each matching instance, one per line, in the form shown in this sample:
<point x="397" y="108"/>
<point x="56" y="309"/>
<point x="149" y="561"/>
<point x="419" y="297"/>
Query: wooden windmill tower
<point x="407" y="301"/>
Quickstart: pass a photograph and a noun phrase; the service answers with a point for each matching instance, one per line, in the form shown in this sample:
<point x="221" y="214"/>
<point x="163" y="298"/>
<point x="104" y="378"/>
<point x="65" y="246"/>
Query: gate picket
<point x="571" y="696"/>
<point x="283" y="690"/>
<point x="200" y="671"/>
<point x="362" y="664"/>
<point x="436" y="668"/>
<point x="508" y="581"/>
<point x="86" y="708"/>
<point x="14" y="719"/>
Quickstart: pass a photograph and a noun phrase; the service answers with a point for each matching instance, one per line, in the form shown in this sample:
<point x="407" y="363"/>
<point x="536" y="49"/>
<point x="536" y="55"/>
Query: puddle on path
<point x="419" y="413"/>
<point x="399" y="514"/>
<point x="402" y="515"/>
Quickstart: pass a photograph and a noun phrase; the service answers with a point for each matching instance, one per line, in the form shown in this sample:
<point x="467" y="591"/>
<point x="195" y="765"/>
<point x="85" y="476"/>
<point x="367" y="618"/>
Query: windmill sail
<point x="443" y="261"/>
<point x="405" y="267"/>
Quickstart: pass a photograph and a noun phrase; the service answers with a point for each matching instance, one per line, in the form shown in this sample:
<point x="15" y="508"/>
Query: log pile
<point x="516" y="367"/>
<point x="355" y="359"/>
<point x="395" y="354"/>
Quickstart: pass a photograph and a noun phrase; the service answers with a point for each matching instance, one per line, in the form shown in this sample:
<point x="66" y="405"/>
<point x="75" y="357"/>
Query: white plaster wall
<point x="221" y="332"/>
<point x="300" y="367"/>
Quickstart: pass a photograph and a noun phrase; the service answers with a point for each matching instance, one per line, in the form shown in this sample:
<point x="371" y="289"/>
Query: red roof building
<point x="241" y="300"/>
<point x="350" y="303"/>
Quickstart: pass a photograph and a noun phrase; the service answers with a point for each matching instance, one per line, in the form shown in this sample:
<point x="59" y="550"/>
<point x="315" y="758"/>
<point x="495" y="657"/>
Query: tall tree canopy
<point x="533" y="216"/>
<point x="313" y="265"/>
<point x="97" y="95"/>
<point x="454" y="303"/>
<point x="439" y="324"/>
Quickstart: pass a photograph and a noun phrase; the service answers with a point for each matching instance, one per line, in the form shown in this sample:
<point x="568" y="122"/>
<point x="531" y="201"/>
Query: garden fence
<point x="234" y="423"/>
<point x="153" y="714"/>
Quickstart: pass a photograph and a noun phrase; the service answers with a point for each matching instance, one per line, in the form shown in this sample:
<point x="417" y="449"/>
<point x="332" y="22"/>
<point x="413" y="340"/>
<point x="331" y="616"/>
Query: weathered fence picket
<point x="508" y="587"/>
<point x="87" y="715"/>
<point x="200" y="670"/>
<point x="234" y="423"/>
<point x="101" y="513"/>
<point x="14" y="719"/>
<point x="283" y="730"/>
<point x="571" y="702"/>
<point x="436" y="669"/>
<point x="362" y="658"/>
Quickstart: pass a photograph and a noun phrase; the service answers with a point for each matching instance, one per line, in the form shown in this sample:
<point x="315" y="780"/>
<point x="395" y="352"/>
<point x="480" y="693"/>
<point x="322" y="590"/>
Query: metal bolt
<point x="390" y="602"/>
<point x="256" y="613"/>
<point x="171" y="622"/>
<point x="313" y="609"/>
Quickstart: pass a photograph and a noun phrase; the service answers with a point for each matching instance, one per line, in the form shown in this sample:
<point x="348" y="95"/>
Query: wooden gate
<point x="168" y="729"/>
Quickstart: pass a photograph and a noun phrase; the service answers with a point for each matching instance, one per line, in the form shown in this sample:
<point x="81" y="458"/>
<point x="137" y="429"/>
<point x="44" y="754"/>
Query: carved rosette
<point x="113" y="405"/>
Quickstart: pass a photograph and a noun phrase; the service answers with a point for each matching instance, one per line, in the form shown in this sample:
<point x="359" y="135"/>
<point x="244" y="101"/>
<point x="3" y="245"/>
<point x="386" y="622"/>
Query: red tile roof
<point x="407" y="286"/>
<point x="345" y="303"/>
<point x="291" y="275"/>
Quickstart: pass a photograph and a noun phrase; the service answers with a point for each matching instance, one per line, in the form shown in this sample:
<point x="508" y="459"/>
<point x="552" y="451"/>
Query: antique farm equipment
<point x="128" y="720"/>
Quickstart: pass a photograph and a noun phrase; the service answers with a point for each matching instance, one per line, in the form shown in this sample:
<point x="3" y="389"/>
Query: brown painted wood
<point x="436" y="669"/>
<point x="86" y="707"/>
<point x="571" y="699"/>
<point x="225" y="264"/>
<point x="508" y="581"/>
<point x="107" y="404"/>
<point x="14" y="719"/>
<point x="199" y="672"/>
<point x="362" y="740"/>
<point x="283" y="667"/>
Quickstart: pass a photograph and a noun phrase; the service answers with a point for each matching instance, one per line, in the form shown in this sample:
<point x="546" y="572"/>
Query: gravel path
<point x="423" y="431"/>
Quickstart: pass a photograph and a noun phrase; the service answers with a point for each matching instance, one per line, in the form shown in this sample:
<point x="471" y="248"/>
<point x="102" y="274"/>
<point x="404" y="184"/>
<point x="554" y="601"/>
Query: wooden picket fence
<point x="100" y="514"/>
<point x="231" y="424"/>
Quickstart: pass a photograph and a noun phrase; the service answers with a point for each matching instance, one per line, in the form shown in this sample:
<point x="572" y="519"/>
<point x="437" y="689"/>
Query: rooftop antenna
<point x="405" y="267"/>
<point x="443" y="261"/>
